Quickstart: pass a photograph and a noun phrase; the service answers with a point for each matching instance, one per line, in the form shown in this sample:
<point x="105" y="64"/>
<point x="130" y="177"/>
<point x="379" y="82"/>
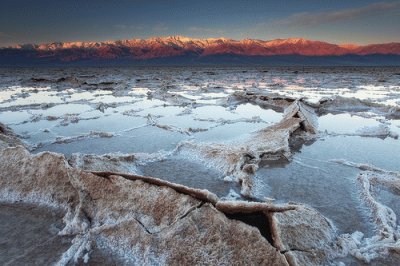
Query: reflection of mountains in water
<point x="183" y="50"/>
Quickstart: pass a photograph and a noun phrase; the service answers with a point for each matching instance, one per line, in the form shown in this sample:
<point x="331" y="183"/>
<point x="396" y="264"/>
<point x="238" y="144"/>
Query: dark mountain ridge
<point x="178" y="50"/>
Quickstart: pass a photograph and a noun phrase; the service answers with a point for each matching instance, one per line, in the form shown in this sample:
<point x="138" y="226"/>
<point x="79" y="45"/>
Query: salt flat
<point x="323" y="137"/>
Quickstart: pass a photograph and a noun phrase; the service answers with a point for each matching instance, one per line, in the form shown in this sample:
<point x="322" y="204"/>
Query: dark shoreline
<point x="377" y="60"/>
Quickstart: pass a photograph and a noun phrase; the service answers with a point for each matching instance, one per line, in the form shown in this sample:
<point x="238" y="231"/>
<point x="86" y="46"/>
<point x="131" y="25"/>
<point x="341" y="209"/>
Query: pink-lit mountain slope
<point x="178" y="46"/>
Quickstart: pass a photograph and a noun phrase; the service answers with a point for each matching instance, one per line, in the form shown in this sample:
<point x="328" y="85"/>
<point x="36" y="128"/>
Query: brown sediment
<point x="106" y="162"/>
<point x="250" y="207"/>
<point x="273" y="101"/>
<point x="8" y="138"/>
<point x="303" y="235"/>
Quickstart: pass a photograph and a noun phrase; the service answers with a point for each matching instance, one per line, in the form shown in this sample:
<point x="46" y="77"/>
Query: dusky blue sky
<point x="336" y="21"/>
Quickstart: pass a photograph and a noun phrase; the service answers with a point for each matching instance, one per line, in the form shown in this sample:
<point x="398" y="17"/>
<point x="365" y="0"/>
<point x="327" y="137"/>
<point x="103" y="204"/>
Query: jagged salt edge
<point x="79" y="244"/>
<point x="79" y="160"/>
<point x="8" y="196"/>
<point x="367" y="249"/>
<point x="190" y="151"/>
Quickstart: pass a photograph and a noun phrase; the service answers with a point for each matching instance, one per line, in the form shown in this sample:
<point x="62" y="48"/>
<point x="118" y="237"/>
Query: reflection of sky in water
<point x="37" y="98"/>
<point x="147" y="103"/>
<point x="62" y="109"/>
<point x="250" y="110"/>
<point x="185" y="122"/>
<point x="213" y="112"/>
<point x="314" y="179"/>
<point x="189" y="173"/>
<point x="395" y="126"/>
<point x="169" y="111"/>
<point x="382" y="153"/>
<point x="112" y="99"/>
<point x="7" y="93"/>
<point x="344" y="123"/>
<point x="18" y="96"/>
<point x="12" y="117"/>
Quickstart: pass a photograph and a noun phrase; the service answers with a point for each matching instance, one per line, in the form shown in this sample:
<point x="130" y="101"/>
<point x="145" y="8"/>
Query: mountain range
<point x="184" y="50"/>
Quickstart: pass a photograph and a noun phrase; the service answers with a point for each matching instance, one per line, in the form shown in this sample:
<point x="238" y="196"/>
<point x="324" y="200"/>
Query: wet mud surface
<point x="29" y="235"/>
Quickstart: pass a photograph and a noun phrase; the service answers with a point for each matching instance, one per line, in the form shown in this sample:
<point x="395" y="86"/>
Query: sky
<point x="335" y="21"/>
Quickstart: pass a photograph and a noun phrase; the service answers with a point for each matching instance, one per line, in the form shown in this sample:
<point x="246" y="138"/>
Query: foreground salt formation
<point x="141" y="222"/>
<point x="113" y="203"/>
<point x="240" y="160"/>
<point x="151" y="221"/>
<point x="142" y="219"/>
<point x="387" y="234"/>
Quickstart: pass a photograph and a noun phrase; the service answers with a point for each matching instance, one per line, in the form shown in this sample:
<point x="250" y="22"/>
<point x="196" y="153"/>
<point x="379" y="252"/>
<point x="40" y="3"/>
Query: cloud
<point x="311" y="19"/>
